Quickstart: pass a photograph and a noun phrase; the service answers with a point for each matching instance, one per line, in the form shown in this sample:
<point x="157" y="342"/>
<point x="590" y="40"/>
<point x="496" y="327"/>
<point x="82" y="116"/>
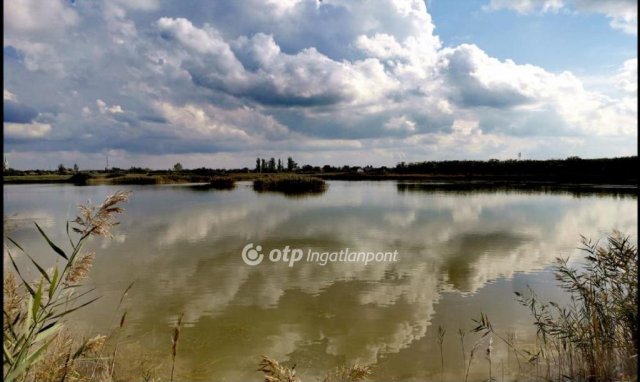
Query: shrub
<point x="80" y="178"/>
<point x="290" y="184"/>
<point x="222" y="183"/>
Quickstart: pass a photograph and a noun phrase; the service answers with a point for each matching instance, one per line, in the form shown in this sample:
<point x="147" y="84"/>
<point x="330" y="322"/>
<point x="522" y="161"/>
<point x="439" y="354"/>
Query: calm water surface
<point x="459" y="254"/>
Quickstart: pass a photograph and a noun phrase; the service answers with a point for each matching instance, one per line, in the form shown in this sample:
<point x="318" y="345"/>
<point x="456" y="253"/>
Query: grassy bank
<point x="102" y="178"/>
<point x="49" y="178"/>
<point x="442" y="182"/>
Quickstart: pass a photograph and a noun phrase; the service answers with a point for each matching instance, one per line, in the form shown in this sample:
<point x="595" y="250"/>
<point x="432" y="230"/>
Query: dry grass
<point x="352" y="373"/>
<point x="98" y="220"/>
<point x="12" y="298"/>
<point x="80" y="269"/>
<point x="275" y="372"/>
<point x="68" y="360"/>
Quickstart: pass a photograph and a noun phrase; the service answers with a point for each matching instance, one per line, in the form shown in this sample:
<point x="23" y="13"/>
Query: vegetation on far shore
<point x="572" y="170"/>
<point x="594" y="338"/>
<point x="222" y="182"/>
<point x="290" y="184"/>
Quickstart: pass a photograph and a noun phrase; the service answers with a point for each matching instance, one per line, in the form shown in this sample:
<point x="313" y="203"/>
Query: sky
<point x="216" y="84"/>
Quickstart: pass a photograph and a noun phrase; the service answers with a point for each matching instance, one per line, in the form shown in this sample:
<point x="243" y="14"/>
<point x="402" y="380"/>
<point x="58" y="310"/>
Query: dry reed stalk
<point x="461" y="334"/>
<point x="275" y="372"/>
<point x="174" y="343"/>
<point x="80" y="269"/>
<point x="99" y="220"/>
<point x="441" y="332"/>
<point x="352" y="373"/>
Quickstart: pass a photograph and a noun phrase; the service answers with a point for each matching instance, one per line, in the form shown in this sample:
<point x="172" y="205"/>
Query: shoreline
<point x="405" y="182"/>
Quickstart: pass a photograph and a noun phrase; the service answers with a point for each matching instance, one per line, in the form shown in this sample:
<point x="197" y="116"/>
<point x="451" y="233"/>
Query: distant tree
<point x="258" y="168"/>
<point x="280" y="166"/>
<point x="61" y="169"/>
<point x="272" y="164"/>
<point x="574" y="158"/>
<point x="263" y="164"/>
<point x="177" y="167"/>
<point x="76" y="168"/>
<point x="291" y="164"/>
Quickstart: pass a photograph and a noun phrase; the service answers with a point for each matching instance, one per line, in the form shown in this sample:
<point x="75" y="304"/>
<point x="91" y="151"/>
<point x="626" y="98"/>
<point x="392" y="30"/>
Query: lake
<point x="458" y="254"/>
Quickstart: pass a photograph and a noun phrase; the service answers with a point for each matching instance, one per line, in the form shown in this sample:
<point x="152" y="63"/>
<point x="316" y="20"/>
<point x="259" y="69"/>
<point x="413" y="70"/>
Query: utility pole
<point x="106" y="168"/>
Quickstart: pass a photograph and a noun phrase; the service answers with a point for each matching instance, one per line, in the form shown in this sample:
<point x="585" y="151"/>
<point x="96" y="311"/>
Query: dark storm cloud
<point x="18" y="113"/>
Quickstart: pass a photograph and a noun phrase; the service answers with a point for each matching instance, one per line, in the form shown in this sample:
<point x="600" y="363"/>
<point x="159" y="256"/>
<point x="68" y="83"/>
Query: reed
<point x="461" y="335"/>
<point x="222" y="183"/>
<point x="353" y="373"/>
<point x="290" y="184"/>
<point x="174" y="344"/>
<point x="34" y="312"/>
<point x="595" y="336"/>
<point x="441" y="333"/>
<point x="275" y="372"/>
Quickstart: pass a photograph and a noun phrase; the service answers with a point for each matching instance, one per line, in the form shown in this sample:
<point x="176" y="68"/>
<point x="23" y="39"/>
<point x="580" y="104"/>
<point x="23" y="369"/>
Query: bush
<point x="290" y="184"/>
<point x="222" y="183"/>
<point x="80" y="178"/>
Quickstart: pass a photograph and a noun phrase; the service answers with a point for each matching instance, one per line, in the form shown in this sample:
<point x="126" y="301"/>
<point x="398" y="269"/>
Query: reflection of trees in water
<point x="526" y="188"/>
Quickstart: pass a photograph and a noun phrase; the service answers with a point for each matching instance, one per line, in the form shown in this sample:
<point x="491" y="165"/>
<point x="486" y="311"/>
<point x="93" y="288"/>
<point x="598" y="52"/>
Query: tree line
<point x="570" y="169"/>
<point x="271" y="165"/>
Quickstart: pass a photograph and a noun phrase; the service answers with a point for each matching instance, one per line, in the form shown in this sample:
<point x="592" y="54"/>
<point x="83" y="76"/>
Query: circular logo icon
<point x="252" y="256"/>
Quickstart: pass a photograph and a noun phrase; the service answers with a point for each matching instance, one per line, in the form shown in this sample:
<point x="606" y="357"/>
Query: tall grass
<point x="290" y="184"/>
<point x="441" y="333"/>
<point x="595" y="336"/>
<point x="174" y="344"/>
<point x="33" y="320"/>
